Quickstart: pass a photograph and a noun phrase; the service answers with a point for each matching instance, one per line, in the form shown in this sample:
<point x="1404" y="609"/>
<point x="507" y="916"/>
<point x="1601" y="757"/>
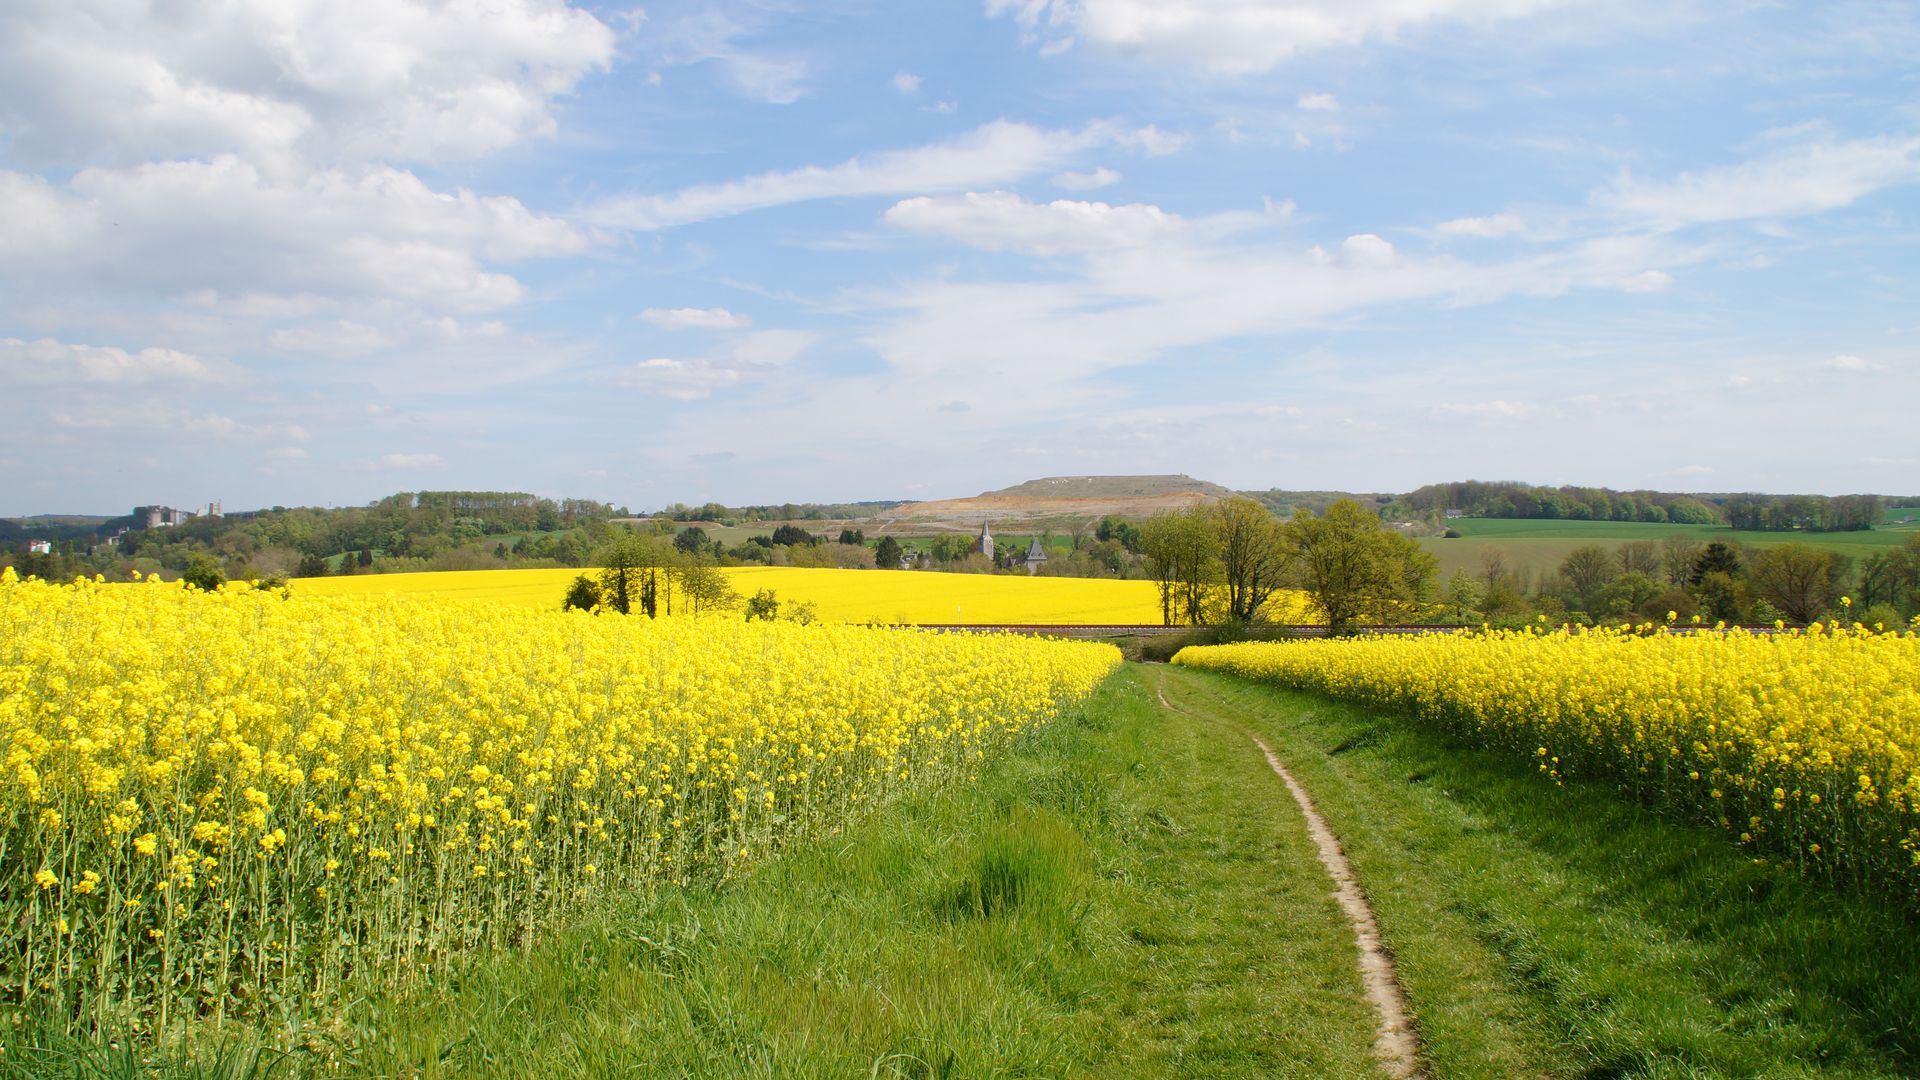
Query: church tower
<point x="985" y="544"/>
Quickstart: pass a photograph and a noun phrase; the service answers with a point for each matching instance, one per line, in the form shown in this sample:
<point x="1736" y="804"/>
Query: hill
<point x="1056" y="502"/>
<point x="1109" y="487"/>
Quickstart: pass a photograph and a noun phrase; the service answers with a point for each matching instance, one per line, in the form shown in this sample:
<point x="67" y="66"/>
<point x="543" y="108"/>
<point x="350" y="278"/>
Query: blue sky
<point x="315" y="253"/>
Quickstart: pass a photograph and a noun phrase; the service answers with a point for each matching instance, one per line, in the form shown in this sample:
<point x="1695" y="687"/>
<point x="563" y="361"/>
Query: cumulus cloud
<point x="745" y="356"/>
<point x="1809" y="178"/>
<point x="681" y="380"/>
<point x="906" y="84"/>
<point x="695" y="319"/>
<point x="1236" y="37"/>
<point x="224" y="226"/>
<point x="1087" y="181"/>
<point x="1003" y="221"/>
<point x="411" y="461"/>
<point x="1319" y="102"/>
<point x="1482" y="227"/>
<point x="1497" y="408"/>
<point x="48" y="361"/>
<point x="1850" y="364"/>
<point x="994" y="153"/>
<point x="98" y="82"/>
<point x="340" y="338"/>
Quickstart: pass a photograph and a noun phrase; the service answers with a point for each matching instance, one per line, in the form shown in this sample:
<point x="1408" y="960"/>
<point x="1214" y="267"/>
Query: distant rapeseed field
<point x="855" y="596"/>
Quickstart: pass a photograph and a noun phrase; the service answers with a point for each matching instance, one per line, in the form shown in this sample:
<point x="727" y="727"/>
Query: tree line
<point x="1228" y="562"/>
<point x="1721" y="581"/>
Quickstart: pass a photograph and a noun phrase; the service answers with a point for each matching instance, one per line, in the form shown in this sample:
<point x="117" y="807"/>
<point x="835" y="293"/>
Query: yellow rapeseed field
<point x="857" y="596"/>
<point x="212" y="802"/>
<point x="1805" y="743"/>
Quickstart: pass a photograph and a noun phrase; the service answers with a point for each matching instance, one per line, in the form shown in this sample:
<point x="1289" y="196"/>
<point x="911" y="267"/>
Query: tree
<point x="203" y="573"/>
<point x="583" y="594"/>
<point x="311" y="566"/>
<point x="705" y="588"/>
<point x="886" y="554"/>
<point x="1180" y="548"/>
<point x="1797" y="579"/>
<point x="853" y="536"/>
<point x="1589" y="569"/>
<point x="1677" y="556"/>
<point x="690" y="540"/>
<point x="788" y="535"/>
<point x="1715" y="558"/>
<point x="635" y="574"/>
<point x="1354" y="568"/>
<point x="1639" y="557"/>
<point x="1253" y="554"/>
<point x="1463" y="595"/>
<point x="763" y="605"/>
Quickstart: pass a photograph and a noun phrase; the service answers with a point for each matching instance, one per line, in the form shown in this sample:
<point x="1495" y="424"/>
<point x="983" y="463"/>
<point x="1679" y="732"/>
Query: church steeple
<point x="985" y="543"/>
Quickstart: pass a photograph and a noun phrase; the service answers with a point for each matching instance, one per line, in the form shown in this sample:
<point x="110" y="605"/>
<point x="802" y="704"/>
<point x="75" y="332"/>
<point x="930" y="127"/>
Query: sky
<point x="313" y="252"/>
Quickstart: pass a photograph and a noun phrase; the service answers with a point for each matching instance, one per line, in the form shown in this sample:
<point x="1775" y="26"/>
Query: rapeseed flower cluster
<point x="1803" y="744"/>
<point x="210" y="802"/>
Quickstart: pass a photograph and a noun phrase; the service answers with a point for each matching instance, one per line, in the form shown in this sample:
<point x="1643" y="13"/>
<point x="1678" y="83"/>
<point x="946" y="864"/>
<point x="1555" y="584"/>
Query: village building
<point x="1036" y="555"/>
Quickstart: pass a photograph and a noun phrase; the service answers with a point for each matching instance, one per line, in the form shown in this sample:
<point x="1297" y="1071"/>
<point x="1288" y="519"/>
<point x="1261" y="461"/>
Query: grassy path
<point x="1564" y="932"/>
<point x="1394" y="1041"/>
<point x="1129" y="893"/>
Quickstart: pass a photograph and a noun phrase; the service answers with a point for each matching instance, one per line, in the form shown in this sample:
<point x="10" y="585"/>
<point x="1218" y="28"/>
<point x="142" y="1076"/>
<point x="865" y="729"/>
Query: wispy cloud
<point x="992" y="154"/>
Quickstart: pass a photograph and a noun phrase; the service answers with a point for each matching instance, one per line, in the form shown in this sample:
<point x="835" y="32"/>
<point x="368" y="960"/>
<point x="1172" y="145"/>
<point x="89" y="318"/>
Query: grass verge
<point x="1568" y="932"/>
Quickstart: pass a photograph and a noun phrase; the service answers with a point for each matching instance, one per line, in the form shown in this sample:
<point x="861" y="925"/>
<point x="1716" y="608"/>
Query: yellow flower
<point x="46" y="878"/>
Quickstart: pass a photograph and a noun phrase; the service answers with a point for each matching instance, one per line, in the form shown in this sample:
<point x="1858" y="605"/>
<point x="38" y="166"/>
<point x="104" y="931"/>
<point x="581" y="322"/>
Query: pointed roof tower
<point x="985" y="544"/>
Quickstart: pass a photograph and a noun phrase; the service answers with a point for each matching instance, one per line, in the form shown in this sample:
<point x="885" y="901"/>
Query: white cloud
<point x="695" y="319"/>
<point x="1151" y="141"/>
<point x="1495" y="409"/>
<point x="1240" y="36"/>
<point x="1851" y="364"/>
<point x="1647" y="281"/>
<point x="1087" y="181"/>
<point x="1366" y="249"/>
<point x="1740" y="382"/>
<point x="96" y="81"/>
<point x="1807" y="179"/>
<point x="341" y="338"/>
<point x="906" y="84"/>
<point x="411" y="461"/>
<point x="744" y="356"/>
<point x="49" y="361"/>
<point x="222" y="226"/>
<point x="1003" y="221"/>
<point x="994" y="153"/>
<point x="1482" y="227"/>
<point x="1319" y="102"/>
<point x="289" y="453"/>
<point x="714" y="36"/>
<point x="681" y="380"/>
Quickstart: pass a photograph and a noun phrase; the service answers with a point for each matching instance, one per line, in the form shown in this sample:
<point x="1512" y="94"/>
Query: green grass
<point x="1566" y="932"/>
<point x="1542" y="545"/>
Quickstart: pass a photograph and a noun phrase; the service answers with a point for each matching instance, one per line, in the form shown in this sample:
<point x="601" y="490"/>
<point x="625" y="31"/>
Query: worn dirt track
<point x="1395" y="1041"/>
